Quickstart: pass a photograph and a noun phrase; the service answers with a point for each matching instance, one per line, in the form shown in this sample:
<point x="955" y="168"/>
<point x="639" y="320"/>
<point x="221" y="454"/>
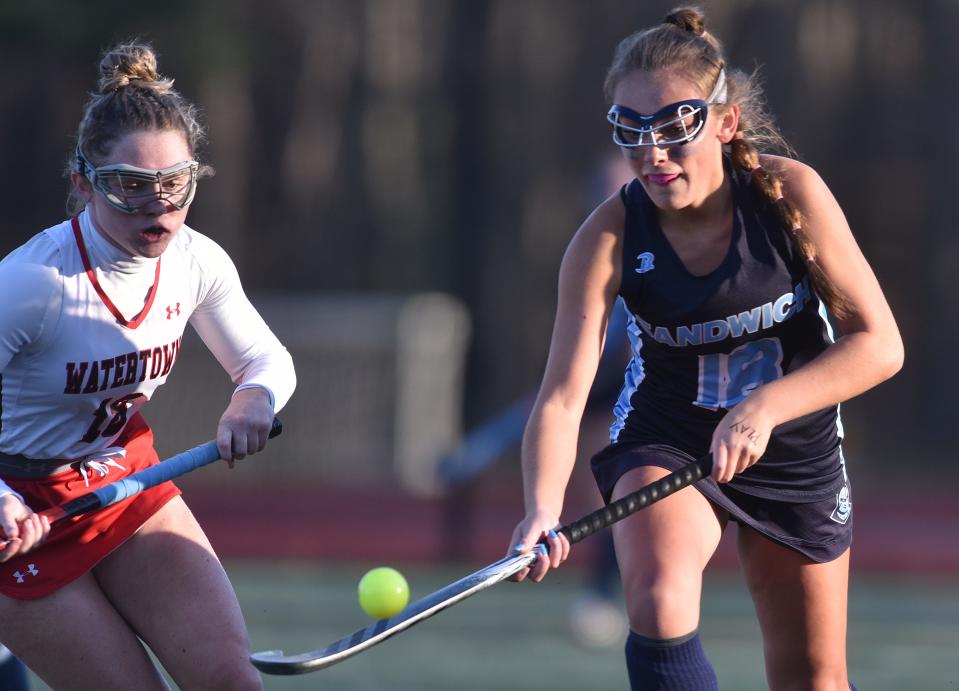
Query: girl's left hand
<point x="739" y="440"/>
<point x="245" y="424"/>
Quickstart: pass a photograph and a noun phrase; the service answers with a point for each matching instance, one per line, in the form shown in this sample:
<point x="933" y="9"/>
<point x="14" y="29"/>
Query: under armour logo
<point x="31" y="570"/>
<point x="170" y="311"/>
<point x="645" y="262"/>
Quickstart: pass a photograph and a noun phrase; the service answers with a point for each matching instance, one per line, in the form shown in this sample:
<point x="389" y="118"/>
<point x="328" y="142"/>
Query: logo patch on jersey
<point x="843" y="506"/>
<point x="172" y="309"/>
<point x="645" y="262"/>
<point x="31" y="571"/>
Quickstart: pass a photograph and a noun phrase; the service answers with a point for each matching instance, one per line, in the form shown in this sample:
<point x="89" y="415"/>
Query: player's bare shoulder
<point x="608" y="217"/>
<point x="801" y="183"/>
<point x="595" y="251"/>
<point x="602" y="230"/>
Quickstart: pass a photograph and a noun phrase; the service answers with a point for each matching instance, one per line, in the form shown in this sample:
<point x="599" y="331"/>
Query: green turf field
<point x="904" y="633"/>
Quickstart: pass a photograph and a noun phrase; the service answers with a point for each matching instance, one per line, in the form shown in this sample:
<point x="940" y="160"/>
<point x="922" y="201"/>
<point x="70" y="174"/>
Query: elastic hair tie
<point x="777" y="188"/>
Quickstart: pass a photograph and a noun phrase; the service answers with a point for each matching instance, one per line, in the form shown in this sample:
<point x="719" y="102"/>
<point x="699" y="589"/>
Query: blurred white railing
<point x="379" y="394"/>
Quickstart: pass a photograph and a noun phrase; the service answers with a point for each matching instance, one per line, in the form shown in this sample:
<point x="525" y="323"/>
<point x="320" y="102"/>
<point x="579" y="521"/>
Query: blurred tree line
<point x="400" y="145"/>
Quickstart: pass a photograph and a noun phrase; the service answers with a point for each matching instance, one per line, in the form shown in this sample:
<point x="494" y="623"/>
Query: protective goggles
<point x="129" y="188"/>
<point x="673" y="125"/>
<point x="676" y="124"/>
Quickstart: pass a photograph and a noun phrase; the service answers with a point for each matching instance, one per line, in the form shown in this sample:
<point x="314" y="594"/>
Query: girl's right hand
<point x="23" y="529"/>
<point x="537" y="526"/>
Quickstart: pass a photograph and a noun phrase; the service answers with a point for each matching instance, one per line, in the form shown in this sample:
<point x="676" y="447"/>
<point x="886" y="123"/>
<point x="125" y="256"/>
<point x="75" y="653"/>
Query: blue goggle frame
<point x="673" y="125"/>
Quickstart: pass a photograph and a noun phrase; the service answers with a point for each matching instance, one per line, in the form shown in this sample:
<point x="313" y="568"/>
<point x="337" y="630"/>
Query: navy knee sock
<point x="13" y="675"/>
<point x="675" y="664"/>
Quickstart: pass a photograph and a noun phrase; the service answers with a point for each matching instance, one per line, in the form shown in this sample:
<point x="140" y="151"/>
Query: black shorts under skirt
<point x="820" y="529"/>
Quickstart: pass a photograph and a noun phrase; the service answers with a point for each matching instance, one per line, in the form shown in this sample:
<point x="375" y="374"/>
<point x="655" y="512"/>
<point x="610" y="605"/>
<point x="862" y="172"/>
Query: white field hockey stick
<point x="275" y="662"/>
<point x="175" y="466"/>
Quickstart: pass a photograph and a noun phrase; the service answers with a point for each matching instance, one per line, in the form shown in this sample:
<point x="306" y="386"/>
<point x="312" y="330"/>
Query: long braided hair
<point x="682" y="45"/>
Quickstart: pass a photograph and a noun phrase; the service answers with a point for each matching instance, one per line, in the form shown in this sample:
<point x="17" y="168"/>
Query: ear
<point x="728" y="123"/>
<point x="82" y="186"/>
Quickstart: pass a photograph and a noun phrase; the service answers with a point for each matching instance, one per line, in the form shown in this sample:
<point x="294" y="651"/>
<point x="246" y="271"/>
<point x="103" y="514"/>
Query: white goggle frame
<point x="129" y="188"/>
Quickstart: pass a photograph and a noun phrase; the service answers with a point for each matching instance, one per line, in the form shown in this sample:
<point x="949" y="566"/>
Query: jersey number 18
<point x="725" y="379"/>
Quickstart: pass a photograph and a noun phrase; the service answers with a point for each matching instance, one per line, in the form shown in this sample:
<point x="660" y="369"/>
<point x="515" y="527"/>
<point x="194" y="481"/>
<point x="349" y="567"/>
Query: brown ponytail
<point x="769" y="186"/>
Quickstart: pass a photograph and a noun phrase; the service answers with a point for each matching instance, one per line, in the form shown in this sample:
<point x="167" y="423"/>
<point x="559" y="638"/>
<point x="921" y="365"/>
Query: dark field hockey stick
<point x="275" y="662"/>
<point x="175" y="466"/>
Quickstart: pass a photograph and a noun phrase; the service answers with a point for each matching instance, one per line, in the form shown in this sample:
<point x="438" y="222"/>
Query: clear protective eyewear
<point x="673" y="125"/>
<point x="129" y="188"/>
<point x="676" y="124"/>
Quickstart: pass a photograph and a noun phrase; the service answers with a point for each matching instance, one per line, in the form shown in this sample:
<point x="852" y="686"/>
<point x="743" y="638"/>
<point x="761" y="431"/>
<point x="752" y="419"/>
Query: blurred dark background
<point x="393" y="146"/>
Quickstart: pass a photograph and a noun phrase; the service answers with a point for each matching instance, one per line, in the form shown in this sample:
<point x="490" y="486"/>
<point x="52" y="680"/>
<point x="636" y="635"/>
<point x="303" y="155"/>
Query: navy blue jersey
<point x="701" y="344"/>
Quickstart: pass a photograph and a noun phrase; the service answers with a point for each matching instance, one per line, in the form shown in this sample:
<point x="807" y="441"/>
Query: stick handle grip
<point x="633" y="502"/>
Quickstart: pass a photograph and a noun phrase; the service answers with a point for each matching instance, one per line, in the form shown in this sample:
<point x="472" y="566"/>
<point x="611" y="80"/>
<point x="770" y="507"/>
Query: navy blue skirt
<point x="820" y="529"/>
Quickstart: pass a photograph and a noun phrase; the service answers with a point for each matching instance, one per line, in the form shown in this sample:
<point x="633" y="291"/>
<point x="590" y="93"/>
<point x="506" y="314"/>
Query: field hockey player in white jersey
<point x="93" y="315"/>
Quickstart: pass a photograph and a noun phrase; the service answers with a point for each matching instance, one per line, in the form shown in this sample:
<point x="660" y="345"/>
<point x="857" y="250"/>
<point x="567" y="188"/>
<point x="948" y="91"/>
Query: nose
<point x="651" y="155"/>
<point x="157" y="206"/>
<point x="657" y="154"/>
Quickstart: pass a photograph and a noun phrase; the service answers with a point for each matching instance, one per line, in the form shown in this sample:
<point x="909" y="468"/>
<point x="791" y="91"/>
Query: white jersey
<point x="88" y="333"/>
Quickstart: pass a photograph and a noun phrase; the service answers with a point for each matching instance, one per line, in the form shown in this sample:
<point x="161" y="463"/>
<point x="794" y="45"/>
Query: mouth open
<point x="154" y="233"/>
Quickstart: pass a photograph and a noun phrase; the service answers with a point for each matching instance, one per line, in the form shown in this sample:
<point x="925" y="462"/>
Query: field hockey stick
<point x="275" y="662"/>
<point x="175" y="466"/>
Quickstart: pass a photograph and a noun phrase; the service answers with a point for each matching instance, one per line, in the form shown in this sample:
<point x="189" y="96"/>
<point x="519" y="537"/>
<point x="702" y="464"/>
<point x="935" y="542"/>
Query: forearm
<point x="247" y="349"/>
<point x="852" y="365"/>
<point x="549" y="453"/>
<point x="274" y="373"/>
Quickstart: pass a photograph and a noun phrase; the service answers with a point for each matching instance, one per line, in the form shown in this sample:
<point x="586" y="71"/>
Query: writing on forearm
<point x="751" y="433"/>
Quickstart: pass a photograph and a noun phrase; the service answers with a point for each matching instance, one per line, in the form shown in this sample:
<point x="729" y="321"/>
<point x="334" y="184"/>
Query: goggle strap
<point x="719" y="91"/>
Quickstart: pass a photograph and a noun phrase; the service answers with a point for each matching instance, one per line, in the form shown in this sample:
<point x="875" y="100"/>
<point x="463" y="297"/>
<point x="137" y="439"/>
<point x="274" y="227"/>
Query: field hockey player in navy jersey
<point x="731" y="263"/>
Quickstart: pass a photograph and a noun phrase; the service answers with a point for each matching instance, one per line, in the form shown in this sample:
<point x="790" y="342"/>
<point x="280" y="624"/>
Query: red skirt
<point x="75" y="545"/>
